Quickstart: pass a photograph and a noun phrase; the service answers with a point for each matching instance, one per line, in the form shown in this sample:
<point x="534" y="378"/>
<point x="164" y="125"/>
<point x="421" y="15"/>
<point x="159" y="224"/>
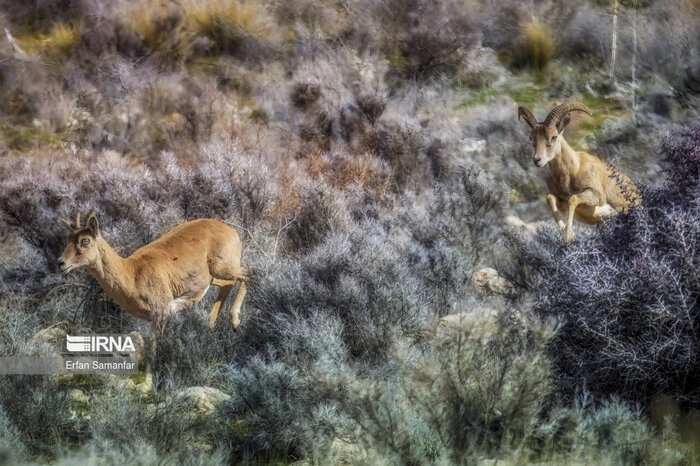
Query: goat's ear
<point x="563" y="123"/>
<point x="93" y="225"/>
<point x="66" y="224"/>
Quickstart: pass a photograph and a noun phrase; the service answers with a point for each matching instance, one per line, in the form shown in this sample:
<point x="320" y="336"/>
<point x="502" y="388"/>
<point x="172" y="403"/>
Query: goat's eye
<point x="84" y="241"/>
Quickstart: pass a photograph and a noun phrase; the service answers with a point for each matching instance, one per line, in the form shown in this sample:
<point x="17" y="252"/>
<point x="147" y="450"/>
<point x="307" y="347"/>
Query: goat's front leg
<point x="553" y="203"/>
<point x="588" y="197"/>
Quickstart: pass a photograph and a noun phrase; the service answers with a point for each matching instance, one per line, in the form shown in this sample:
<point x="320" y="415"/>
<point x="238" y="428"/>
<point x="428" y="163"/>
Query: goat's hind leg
<point x="236" y="307"/>
<point x="224" y="291"/>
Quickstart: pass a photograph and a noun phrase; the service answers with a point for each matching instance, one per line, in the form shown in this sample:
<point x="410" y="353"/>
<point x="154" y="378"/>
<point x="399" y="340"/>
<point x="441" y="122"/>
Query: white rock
<point x="488" y="281"/>
<point x="77" y="396"/>
<point x="51" y="334"/>
<point x="201" y="400"/>
<point x="482" y="321"/>
<point x="143" y="388"/>
<point x="343" y="452"/>
<point x="517" y="222"/>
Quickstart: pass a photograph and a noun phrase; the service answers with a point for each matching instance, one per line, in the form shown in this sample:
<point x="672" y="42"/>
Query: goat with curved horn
<point x="580" y="184"/>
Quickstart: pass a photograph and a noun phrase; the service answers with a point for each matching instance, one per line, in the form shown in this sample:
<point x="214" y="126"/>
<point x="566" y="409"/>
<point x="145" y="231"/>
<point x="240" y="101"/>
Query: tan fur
<point x="580" y="185"/>
<point x="170" y="274"/>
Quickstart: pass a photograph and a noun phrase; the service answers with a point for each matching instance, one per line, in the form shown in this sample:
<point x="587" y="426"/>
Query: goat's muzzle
<point x="63" y="267"/>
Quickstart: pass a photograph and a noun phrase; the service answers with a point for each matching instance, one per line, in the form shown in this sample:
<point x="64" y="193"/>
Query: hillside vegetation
<point x="370" y="156"/>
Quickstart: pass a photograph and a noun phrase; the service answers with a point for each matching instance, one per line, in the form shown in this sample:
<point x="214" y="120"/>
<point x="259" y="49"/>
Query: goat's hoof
<point x="568" y="237"/>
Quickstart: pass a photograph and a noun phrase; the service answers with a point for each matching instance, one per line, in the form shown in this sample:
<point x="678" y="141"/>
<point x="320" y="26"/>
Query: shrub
<point x="32" y="403"/>
<point x="282" y="413"/>
<point x="501" y="22"/>
<point x="481" y="388"/>
<point x="138" y="452"/>
<point x="11" y="446"/>
<point x="478" y="388"/>
<point x="27" y="87"/>
<point x="586" y="38"/>
<point x="188" y="353"/>
<point x="423" y="40"/>
<point x="305" y="94"/>
<point x="505" y="145"/>
<point x="344" y="259"/>
<point x="329" y="18"/>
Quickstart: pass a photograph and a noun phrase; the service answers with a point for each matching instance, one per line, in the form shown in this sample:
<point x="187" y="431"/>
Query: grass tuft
<point x="539" y="44"/>
<point x="230" y="24"/>
<point x="56" y="44"/>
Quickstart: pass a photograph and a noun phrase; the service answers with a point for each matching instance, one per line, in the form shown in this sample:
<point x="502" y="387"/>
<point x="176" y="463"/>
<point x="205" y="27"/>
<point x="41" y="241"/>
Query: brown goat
<point x="579" y="183"/>
<point x="165" y="276"/>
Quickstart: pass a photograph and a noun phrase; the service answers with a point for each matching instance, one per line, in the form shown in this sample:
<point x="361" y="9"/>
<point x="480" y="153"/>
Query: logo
<point x="100" y="344"/>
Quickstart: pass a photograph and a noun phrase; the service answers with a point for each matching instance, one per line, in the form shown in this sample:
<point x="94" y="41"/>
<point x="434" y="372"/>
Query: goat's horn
<point x="77" y="221"/>
<point x="560" y="112"/>
<point x="66" y="223"/>
<point x="527" y="114"/>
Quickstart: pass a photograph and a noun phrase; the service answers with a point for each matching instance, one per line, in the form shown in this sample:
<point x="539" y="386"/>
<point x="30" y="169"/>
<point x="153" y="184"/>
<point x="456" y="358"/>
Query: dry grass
<point x="159" y="26"/>
<point x="144" y="21"/>
<point x="56" y="44"/>
<point x="227" y="23"/>
<point x="171" y="28"/>
<point x="329" y="17"/>
<point x="343" y="170"/>
<point x="539" y="44"/>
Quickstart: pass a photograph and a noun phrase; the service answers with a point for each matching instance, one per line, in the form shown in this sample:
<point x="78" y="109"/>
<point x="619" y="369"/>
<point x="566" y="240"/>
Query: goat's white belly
<point x="179" y="304"/>
<point x="186" y="300"/>
<point x="605" y="210"/>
